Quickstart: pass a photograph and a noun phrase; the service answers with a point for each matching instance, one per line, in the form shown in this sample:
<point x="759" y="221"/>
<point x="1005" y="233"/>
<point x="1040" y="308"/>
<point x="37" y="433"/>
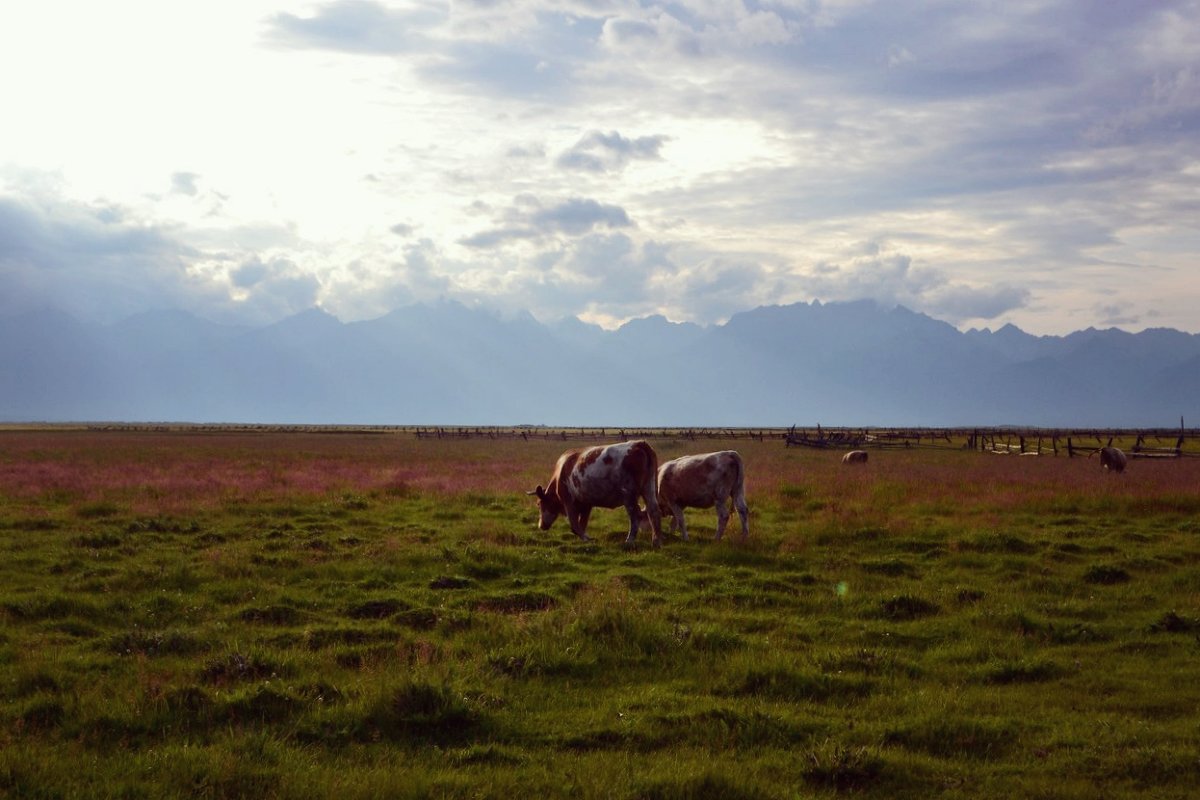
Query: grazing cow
<point x="1112" y="459"/>
<point x="855" y="457"/>
<point x="606" y="476"/>
<point x="704" y="481"/>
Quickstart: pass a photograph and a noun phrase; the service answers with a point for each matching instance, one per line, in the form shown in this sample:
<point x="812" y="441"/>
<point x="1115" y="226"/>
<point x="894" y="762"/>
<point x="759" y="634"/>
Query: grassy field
<point x="212" y="614"/>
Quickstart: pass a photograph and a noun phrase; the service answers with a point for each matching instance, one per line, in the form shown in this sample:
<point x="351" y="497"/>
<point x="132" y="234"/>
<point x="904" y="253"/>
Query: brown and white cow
<point x="704" y="481"/>
<point x="855" y="457"/>
<point x="605" y="476"/>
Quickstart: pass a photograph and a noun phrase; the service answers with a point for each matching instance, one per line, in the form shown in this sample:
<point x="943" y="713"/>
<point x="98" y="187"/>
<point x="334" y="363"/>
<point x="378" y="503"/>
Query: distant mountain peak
<point x="443" y="362"/>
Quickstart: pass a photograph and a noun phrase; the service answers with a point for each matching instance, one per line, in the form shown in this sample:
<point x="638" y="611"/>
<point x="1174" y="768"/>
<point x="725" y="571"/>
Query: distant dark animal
<point x="704" y="481"/>
<point x="855" y="457"/>
<point x="604" y="476"/>
<point x="1112" y="459"/>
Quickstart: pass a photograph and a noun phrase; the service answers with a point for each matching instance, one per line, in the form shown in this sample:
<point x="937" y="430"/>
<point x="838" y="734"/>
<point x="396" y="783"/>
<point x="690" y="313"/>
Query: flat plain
<point x="228" y="613"/>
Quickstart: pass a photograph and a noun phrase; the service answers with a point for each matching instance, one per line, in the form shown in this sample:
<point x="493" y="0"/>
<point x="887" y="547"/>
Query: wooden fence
<point x="1147" y="443"/>
<point x="1153" y="443"/>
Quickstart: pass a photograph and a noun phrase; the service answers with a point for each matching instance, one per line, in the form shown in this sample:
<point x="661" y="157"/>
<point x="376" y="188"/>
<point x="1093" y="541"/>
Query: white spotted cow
<point x="855" y="457"/>
<point x="605" y="476"/>
<point x="704" y="481"/>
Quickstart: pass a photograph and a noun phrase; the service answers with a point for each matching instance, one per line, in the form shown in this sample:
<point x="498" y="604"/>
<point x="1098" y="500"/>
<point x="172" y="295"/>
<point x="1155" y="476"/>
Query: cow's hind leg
<point x="635" y="517"/>
<point x="722" y="516"/>
<point x="678" y="519"/>
<point x="739" y="502"/>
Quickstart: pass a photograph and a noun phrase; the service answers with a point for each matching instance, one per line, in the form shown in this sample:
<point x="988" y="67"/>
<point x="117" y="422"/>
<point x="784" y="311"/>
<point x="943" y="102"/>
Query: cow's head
<point x="548" y="505"/>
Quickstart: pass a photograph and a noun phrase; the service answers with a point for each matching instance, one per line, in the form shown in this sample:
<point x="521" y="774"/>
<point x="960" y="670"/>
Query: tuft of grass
<point x="709" y="786"/>
<point x="1106" y="575"/>
<point x="842" y="768"/>
<point x="952" y="738"/>
<point x="1036" y="670"/>
<point x="1171" y="622"/>
<point x="377" y="609"/>
<point x="450" y="582"/>
<point x="272" y="615"/>
<point x="517" y="603"/>
<point x="141" y="642"/>
<point x="420" y="710"/>
<point x="891" y="567"/>
<point x="783" y="683"/>
<point x="904" y="607"/>
<point x="237" y="667"/>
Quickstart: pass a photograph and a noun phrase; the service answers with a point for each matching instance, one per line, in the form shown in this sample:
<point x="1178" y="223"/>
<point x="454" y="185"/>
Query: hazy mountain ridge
<point x="835" y="363"/>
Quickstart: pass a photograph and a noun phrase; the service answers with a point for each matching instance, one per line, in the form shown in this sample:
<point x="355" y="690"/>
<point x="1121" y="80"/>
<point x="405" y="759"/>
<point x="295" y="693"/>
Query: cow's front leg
<point x="579" y="522"/>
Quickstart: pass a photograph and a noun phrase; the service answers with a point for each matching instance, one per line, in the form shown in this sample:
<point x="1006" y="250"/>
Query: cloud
<point x="578" y="215"/>
<point x="597" y="151"/>
<point x="529" y="218"/>
<point x="1116" y="314"/>
<point x="87" y="259"/>
<point x="185" y="183"/>
<point x="274" y="288"/>
<point x="360" y="27"/>
<point x="892" y="279"/>
<point x="102" y="262"/>
<point x="956" y="303"/>
<point x="471" y="47"/>
<point x="420" y="272"/>
<point x="698" y="30"/>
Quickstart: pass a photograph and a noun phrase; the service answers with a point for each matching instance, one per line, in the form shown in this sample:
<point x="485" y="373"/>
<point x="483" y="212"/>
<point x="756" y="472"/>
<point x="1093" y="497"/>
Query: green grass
<point x="296" y="615"/>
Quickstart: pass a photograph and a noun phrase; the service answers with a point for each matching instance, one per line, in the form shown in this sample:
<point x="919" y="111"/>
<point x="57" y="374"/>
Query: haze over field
<point x="444" y="363"/>
<point x="1033" y="163"/>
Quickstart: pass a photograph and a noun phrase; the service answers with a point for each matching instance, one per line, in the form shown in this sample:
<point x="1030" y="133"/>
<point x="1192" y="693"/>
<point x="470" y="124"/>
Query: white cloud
<point x="597" y="151"/>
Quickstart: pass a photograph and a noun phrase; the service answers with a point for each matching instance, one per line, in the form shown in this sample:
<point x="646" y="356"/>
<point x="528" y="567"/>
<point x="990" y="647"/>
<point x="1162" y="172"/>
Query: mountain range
<point x="852" y="364"/>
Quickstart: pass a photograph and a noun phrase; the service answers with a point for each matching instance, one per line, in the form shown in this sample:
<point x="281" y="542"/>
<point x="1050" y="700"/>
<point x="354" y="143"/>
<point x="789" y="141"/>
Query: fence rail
<point x="1146" y="442"/>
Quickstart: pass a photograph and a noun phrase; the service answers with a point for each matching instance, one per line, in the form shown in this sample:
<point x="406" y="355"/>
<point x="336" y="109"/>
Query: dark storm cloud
<point x="597" y="151"/>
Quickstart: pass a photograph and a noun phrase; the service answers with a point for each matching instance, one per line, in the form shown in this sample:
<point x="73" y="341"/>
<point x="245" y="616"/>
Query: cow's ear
<point x="539" y="491"/>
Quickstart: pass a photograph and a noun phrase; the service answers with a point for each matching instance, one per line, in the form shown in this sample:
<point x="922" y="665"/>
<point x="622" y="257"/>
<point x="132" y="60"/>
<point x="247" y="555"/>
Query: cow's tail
<point x="739" y="482"/>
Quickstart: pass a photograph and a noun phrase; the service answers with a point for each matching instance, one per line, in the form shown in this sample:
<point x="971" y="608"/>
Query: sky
<point x="1026" y="161"/>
